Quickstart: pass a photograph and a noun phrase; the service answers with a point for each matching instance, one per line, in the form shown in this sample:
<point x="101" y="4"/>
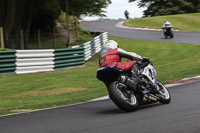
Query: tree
<point x="41" y="14"/>
<point x="85" y="7"/>
<point x="82" y="7"/>
<point x="10" y="16"/>
<point x="168" y="7"/>
<point x="25" y="14"/>
<point x="45" y="14"/>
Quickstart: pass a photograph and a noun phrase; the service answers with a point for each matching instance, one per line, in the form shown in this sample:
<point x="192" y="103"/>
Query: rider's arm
<point x="129" y="55"/>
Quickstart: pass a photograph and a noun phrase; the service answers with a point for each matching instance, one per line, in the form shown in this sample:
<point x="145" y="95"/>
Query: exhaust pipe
<point x="127" y="81"/>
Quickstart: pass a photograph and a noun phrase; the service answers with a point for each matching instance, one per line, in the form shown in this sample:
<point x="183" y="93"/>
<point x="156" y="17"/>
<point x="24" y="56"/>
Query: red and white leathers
<point x="112" y="57"/>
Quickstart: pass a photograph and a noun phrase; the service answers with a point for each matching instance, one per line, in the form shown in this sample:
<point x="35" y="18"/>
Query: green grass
<point x="4" y="49"/>
<point x="185" y="22"/>
<point x="172" y="61"/>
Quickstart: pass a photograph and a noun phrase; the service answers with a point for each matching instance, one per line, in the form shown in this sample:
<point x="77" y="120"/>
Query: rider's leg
<point x="127" y="67"/>
<point x="135" y="76"/>
<point x="134" y="72"/>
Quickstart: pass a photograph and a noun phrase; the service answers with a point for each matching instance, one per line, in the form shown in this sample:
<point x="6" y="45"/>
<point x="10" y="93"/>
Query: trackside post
<point x="1" y="37"/>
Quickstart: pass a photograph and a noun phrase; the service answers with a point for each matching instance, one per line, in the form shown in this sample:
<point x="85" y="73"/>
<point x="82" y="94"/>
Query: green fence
<point x="7" y="62"/>
<point x="69" y="57"/>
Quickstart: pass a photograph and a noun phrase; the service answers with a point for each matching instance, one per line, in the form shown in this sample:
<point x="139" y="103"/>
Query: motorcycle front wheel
<point x="171" y="35"/>
<point x="164" y="95"/>
<point x="124" y="98"/>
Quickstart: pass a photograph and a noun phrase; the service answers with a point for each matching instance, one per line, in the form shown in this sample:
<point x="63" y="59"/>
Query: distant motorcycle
<point x="126" y="13"/>
<point x="167" y="30"/>
<point x="121" y="88"/>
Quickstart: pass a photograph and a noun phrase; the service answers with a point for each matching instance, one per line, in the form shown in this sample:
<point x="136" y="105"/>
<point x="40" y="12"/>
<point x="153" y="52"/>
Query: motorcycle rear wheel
<point x="164" y="95"/>
<point x="125" y="99"/>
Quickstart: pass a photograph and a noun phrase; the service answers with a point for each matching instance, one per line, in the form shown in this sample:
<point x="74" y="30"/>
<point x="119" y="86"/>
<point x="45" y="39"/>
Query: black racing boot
<point x="139" y="82"/>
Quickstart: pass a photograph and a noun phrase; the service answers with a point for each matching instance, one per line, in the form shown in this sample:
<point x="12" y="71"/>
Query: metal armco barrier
<point x="7" y="62"/>
<point x="31" y="61"/>
<point x="68" y="57"/>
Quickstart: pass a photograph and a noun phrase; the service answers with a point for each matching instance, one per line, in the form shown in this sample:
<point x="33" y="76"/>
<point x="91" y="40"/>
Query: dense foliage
<point x="168" y="7"/>
<point x="41" y="14"/>
<point x="85" y="7"/>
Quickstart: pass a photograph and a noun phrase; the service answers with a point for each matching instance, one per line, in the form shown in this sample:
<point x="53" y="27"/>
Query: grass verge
<point x="27" y="92"/>
<point x="186" y="22"/>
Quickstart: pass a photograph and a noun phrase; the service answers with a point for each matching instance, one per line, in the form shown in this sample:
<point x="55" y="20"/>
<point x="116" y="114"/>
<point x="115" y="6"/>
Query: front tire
<point x="125" y="99"/>
<point x="171" y="35"/>
<point x="164" y="95"/>
<point x="165" y="34"/>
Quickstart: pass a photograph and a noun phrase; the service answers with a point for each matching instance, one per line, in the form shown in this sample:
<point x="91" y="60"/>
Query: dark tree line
<point x="168" y="7"/>
<point x="85" y="7"/>
<point x="41" y="14"/>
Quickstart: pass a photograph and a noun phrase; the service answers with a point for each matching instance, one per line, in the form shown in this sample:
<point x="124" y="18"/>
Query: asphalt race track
<point x="182" y="115"/>
<point x="109" y="26"/>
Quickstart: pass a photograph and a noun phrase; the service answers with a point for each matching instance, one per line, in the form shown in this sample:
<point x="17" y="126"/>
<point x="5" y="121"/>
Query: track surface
<point x="182" y="115"/>
<point x="109" y="26"/>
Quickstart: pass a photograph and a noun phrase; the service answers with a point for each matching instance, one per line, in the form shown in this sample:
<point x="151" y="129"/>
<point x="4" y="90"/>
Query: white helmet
<point x="168" y="24"/>
<point x="111" y="44"/>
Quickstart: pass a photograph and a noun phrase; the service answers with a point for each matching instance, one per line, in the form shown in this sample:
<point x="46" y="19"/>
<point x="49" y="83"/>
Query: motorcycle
<point x="127" y="96"/>
<point x="126" y="13"/>
<point x="167" y="30"/>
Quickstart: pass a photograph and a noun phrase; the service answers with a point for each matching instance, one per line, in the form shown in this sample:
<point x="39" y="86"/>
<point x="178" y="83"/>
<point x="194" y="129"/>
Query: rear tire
<point x="164" y="94"/>
<point x="126" y="100"/>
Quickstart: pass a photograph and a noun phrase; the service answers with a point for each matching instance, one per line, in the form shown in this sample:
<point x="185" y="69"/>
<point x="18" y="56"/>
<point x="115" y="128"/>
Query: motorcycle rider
<point x="111" y="55"/>
<point x="126" y="13"/>
<point x="167" y="29"/>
